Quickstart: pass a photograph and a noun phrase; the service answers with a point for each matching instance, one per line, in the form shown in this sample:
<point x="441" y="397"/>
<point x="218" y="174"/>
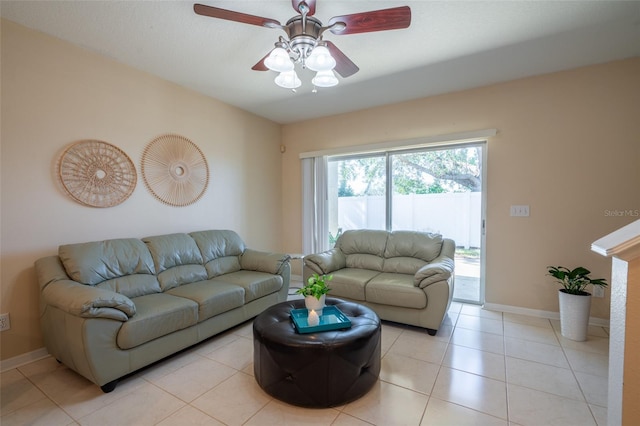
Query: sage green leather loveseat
<point x="109" y="308"/>
<point x="404" y="276"/>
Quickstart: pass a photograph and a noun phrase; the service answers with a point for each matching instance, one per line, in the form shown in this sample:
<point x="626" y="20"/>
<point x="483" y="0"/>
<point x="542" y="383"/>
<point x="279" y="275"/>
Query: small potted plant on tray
<point x="315" y="291"/>
<point x="575" y="302"/>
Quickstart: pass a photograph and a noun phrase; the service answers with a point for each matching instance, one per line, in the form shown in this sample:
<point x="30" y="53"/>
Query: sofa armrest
<point x="326" y="262"/>
<point x="440" y="269"/>
<point x="86" y="301"/>
<point x="271" y="263"/>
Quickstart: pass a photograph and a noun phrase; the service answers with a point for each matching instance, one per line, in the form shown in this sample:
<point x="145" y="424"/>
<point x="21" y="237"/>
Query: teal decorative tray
<point x="331" y="319"/>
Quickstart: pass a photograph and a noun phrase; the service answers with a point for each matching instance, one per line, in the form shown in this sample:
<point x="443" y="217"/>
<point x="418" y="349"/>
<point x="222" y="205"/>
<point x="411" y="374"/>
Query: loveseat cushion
<point x="213" y="298"/>
<point x="403" y="265"/>
<point x="363" y="248"/>
<point x="255" y="284"/>
<point x="121" y="265"/>
<point x="351" y="282"/>
<point x="177" y="260"/>
<point x="363" y="241"/>
<point x="419" y="245"/>
<point x="364" y="261"/>
<point x="156" y="315"/>
<point x="220" y="251"/>
<point x="395" y="290"/>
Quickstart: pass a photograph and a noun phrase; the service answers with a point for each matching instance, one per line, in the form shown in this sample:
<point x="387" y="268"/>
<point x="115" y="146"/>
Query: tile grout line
<point x="573" y="372"/>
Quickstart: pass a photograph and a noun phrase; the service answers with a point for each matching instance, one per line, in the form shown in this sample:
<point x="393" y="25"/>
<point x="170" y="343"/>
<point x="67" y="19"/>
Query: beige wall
<point x="54" y="94"/>
<point x="567" y="145"/>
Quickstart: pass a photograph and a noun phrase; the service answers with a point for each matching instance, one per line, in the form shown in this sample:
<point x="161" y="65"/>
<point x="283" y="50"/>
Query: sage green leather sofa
<point x="404" y="276"/>
<point x="109" y="308"/>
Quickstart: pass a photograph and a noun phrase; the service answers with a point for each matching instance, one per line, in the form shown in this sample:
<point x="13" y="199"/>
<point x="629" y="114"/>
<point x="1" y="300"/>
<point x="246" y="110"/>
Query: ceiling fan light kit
<point x="279" y="60"/>
<point x="320" y="59"/>
<point x="305" y="45"/>
<point x="288" y="80"/>
<point x="325" y="79"/>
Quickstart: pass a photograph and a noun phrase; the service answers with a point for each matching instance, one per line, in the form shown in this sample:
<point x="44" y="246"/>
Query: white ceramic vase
<point x="574" y="315"/>
<point x="310" y="302"/>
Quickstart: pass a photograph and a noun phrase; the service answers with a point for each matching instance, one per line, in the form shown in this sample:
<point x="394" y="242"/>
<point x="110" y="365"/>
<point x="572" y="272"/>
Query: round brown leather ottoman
<point x="321" y="369"/>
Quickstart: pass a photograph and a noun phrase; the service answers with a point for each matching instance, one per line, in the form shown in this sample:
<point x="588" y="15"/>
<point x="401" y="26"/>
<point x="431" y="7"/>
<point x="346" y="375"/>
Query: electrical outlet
<point x="598" y="291"/>
<point x="5" y="323"/>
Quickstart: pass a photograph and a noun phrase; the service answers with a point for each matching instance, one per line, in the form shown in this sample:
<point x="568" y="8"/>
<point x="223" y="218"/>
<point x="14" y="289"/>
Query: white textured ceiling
<point x="450" y="46"/>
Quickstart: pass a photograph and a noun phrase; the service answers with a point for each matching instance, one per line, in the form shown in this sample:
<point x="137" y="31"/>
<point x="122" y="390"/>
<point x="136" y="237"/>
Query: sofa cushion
<point x="255" y="284"/>
<point x="177" y="260"/>
<point x="220" y="251"/>
<point x="395" y="290"/>
<point x="99" y="261"/>
<point x="156" y="315"/>
<point x="212" y="297"/>
<point x="133" y="285"/>
<point x="179" y="275"/>
<point x="222" y="265"/>
<point x="419" y="245"/>
<point x="172" y="250"/>
<point x="219" y="243"/>
<point x="350" y="283"/>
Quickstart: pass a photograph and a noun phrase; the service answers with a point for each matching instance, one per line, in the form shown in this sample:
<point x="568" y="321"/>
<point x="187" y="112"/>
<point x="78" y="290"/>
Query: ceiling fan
<point x="304" y="44"/>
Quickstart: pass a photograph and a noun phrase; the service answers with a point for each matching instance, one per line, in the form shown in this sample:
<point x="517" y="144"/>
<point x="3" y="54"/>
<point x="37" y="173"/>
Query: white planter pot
<point x="574" y="315"/>
<point x="311" y="302"/>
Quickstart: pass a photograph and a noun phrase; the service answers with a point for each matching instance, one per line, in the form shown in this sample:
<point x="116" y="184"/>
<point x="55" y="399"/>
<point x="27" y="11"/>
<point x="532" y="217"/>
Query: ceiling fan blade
<point x="344" y="66"/>
<point x="229" y="15"/>
<point x="376" y="20"/>
<point x="260" y="66"/>
<point x="310" y="3"/>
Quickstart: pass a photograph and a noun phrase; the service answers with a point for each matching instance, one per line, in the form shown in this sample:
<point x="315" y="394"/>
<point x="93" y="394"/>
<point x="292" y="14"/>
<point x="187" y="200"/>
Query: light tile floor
<point x="482" y="368"/>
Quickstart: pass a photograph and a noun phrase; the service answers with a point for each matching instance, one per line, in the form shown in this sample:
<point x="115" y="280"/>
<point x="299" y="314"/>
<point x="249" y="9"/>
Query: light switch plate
<point x="521" y="211"/>
<point x="5" y="322"/>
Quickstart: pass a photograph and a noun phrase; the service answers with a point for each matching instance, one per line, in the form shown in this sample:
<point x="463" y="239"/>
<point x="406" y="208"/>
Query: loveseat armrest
<point x="439" y="269"/>
<point x="326" y="262"/>
<point x="88" y="302"/>
<point x="271" y="263"/>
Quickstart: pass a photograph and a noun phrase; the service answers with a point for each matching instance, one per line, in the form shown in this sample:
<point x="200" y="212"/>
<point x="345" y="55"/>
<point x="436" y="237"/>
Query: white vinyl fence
<point x="455" y="215"/>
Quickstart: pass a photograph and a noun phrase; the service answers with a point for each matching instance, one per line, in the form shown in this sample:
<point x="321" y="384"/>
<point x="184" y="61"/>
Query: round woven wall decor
<point x="175" y="170"/>
<point x="97" y="174"/>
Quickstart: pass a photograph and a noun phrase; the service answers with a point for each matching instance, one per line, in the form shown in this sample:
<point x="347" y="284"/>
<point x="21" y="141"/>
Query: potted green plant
<point x="574" y="300"/>
<point x="315" y="291"/>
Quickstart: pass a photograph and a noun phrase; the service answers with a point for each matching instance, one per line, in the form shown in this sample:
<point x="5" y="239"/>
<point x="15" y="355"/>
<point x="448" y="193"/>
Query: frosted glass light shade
<point x="279" y="60"/>
<point x="320" y="59"/>
<point x="288" y="80"/>
<point x="325" y="79"/>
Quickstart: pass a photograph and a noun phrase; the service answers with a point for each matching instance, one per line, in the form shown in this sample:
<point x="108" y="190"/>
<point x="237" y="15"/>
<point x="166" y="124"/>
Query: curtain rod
<point x="451" y="138"/>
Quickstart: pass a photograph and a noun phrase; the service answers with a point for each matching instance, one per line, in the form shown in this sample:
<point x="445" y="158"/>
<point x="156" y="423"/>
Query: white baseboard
<point x="600" y="322"/>
<point x="23" y="359"/>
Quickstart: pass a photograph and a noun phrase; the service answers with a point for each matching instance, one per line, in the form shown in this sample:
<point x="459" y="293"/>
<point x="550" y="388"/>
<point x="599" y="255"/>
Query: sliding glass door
<point x="435" y="190"/>
<point x="440" y="191"/>
<point x="357" y="193"/>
